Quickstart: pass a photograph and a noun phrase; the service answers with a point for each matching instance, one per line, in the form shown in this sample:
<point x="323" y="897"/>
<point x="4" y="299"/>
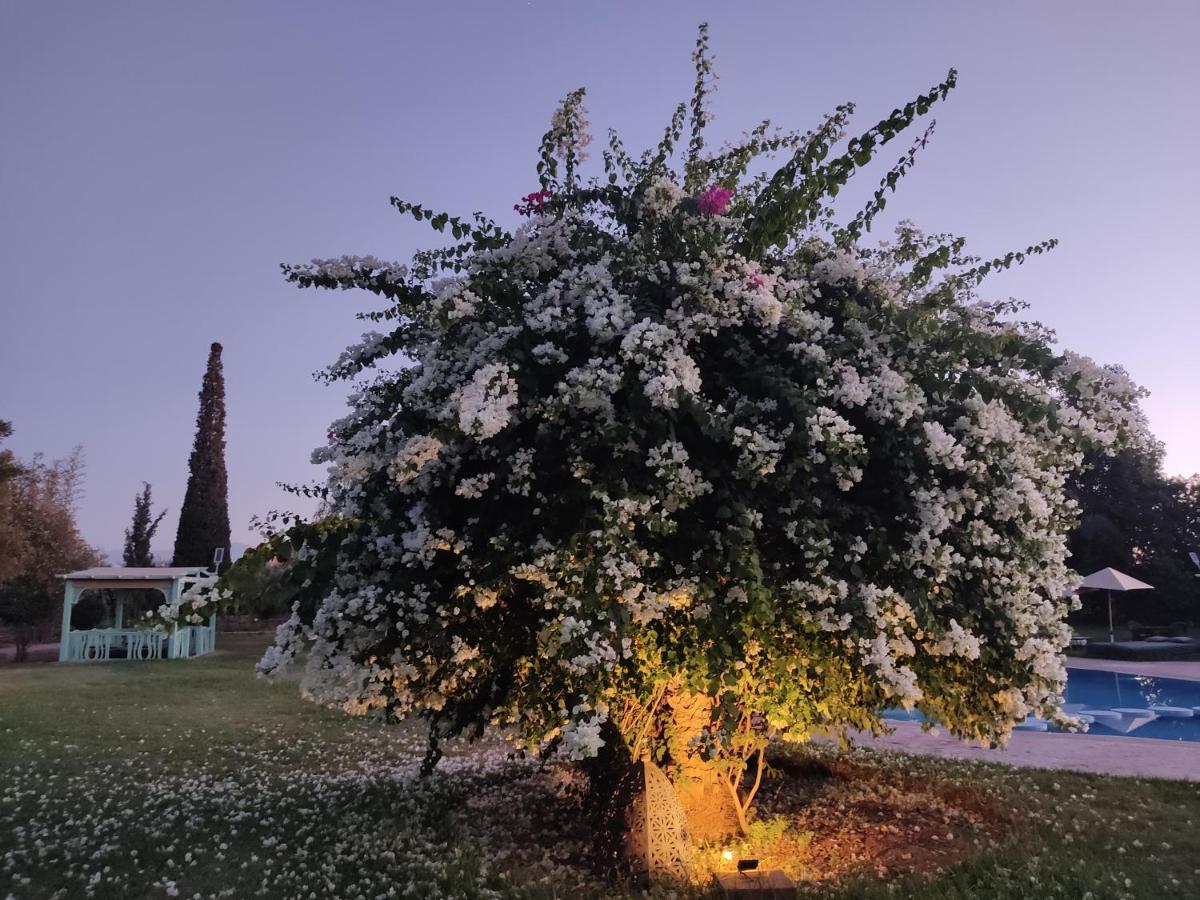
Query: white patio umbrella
<point x="1109" y="580"/>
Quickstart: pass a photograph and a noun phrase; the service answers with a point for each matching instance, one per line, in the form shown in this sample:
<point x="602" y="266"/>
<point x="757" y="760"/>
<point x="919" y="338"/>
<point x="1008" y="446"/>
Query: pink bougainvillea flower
<point x="756" y="280"/>
<point x="531" y="203"/>
<point x="713" y="201"/>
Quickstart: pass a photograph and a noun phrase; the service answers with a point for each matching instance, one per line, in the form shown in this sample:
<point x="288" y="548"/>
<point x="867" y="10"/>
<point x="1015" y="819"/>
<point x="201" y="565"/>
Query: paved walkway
<point x="1097" y="753"/>
<point x="1101" y="754"/>
<point x="37" y="652"/>
<point x="1188" y="670"/>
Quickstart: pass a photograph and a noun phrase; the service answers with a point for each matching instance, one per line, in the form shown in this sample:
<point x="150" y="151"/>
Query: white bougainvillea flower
<point x="678" y="432"/>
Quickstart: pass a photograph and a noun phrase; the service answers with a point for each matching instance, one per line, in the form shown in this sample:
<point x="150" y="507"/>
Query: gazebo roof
<point x="122" y="573"/>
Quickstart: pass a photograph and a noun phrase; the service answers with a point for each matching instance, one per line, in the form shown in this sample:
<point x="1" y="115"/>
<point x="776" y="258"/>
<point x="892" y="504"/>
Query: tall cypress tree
<point x="141" y="530"/>
<point x="204" y="516"/>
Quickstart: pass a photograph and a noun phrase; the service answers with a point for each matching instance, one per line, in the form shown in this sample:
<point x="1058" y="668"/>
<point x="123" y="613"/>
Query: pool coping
<point x="1185" y="670"/>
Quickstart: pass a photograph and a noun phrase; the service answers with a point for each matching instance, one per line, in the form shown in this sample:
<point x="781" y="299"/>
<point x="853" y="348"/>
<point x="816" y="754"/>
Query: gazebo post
<point x="119" y="613"/>
<point x="173" y="640"/>
<point x="64" y="640"/>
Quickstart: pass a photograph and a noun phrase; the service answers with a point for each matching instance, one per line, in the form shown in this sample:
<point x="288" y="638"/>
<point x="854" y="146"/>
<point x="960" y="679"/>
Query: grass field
<point x="194" y="779"/>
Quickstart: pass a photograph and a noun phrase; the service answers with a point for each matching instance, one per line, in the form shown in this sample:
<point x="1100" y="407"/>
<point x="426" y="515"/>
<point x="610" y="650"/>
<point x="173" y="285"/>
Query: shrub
<point x="682" y="463"/>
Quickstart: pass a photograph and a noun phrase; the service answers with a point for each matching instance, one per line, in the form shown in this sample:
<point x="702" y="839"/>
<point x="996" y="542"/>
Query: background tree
<point x="41" y="498"/>
<point x="260" y="582"/>
<point x="140" y="533"/>
<point x="204" y="516"/>
<point x="26" y="603"/>
<point x="1134" y="518"/>
<point x="13" y="545"/>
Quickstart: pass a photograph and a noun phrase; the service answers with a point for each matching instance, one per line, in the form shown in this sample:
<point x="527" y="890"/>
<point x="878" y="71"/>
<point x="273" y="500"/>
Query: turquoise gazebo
<point x="116" y="640"/>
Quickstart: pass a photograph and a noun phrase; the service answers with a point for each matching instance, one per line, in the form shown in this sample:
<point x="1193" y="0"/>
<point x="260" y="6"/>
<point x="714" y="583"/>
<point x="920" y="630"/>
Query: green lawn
<point x="194" y="779"/>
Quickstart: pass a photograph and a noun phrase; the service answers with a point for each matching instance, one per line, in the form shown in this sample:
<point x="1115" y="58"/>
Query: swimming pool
<point x="1168" y="699"/>
<point x="1117" y="703"/>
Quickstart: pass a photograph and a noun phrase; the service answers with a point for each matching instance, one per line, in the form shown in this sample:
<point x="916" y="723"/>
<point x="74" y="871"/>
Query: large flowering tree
<point x="681" y="464"/>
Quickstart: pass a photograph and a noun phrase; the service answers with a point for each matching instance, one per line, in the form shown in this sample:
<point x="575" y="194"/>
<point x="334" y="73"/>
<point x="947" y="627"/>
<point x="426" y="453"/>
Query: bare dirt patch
<point x="821" y="822"/>
<point x="818" y="819"/>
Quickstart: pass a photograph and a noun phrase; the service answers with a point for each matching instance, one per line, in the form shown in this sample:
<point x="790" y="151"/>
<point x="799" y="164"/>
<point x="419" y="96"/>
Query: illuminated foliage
<point x="681" y="435"/>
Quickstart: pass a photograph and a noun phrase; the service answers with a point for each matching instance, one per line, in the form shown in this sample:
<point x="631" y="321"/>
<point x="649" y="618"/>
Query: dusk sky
<point x="159" y="160"/>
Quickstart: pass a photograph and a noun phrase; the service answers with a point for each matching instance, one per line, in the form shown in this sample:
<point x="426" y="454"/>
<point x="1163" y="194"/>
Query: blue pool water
<point x="1099" y="693"/>
<point x="1088" y="689"/>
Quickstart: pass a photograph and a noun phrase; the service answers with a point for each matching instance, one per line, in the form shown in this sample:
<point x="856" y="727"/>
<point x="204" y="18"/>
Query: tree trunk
<point x="670" y="730"/>
<point x="21" y="641"/>
<point x="713" y="812"/>
<point x="613" y="787"/>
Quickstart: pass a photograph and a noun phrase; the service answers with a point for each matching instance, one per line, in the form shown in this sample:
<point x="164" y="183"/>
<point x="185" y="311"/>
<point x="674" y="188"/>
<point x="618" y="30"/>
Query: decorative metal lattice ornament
<point x="657" y="842"/>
